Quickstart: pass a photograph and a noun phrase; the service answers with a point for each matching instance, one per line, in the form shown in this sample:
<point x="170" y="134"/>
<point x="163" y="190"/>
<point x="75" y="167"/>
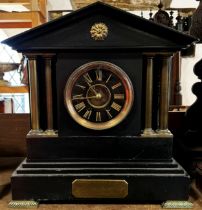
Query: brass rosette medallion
<point x="99" y="31"/>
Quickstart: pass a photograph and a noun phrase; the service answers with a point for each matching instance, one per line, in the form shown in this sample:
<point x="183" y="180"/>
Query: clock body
<point x="99" y="98"/>
<point x="120" y="85"/>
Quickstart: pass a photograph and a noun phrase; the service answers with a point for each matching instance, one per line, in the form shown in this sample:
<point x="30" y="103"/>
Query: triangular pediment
<point x="125" y="31"/>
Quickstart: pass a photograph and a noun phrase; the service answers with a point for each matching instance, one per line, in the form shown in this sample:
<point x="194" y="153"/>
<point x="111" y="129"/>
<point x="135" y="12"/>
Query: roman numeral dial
<point x="116" y="85"/>
<point x="99" y="95"/>
<point x="119" y="96"/>
<point x="87" y="78"/>
<point x="116" y="106"/>
<point x="79" y="107"/>
<point x="98" y="117"/>
<point x="87" y="114"/>
<point x="99" y="75"/>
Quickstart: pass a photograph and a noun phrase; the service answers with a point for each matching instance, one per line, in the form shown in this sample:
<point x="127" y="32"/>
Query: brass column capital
<point x="31" y="56"/>
<point x="48" y="55"/>
<point x="149" y="55"/>
<point x="154" y="54"/>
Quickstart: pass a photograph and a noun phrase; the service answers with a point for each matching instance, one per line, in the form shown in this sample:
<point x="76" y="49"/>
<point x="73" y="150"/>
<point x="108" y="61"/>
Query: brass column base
<point x="50" y="132"/>
<point x="164" y="133"/>
<point x="148" y="132"/>
<point x="35" y="132"/>
<point x="177" y="205"/>
<point x="23" y="204"/>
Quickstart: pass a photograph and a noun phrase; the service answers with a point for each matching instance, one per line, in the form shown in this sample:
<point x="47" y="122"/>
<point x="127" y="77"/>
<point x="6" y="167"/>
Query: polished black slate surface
<point x="135" y="148"/>
<point x="151" y="183"/>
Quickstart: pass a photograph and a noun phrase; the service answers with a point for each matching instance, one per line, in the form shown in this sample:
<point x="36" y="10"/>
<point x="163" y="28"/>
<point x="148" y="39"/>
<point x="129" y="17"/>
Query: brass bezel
<point x="128" y="99"/>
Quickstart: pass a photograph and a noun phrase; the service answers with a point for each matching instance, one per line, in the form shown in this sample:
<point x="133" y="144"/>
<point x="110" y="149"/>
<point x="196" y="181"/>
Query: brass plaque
<point x="99" y="188"/>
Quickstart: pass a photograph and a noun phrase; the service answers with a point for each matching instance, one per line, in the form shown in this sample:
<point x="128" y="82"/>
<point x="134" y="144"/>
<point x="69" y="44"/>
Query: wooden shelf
<point x="14" y="89"/>
<point x="36" y="14"/>
<point x="126" y="4"/>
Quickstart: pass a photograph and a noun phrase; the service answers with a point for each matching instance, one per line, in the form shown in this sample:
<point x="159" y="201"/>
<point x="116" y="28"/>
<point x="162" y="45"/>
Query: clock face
<point x="98" y="95"/>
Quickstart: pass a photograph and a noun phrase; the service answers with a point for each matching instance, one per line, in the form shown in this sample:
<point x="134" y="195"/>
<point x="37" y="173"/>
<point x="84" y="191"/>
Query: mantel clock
<point x="99" y="98"/>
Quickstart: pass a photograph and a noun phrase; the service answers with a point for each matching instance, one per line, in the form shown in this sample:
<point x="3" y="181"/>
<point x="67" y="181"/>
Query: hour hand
<point x="80" y="97"/>
<point x="92" y="88"/>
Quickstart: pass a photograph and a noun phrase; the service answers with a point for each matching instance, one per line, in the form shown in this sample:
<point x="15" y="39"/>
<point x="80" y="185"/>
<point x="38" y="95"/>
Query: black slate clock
<point x="99" y="98"/>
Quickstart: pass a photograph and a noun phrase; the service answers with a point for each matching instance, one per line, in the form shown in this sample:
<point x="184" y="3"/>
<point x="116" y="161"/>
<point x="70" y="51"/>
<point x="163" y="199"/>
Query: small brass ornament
<point x="99" y="31"/>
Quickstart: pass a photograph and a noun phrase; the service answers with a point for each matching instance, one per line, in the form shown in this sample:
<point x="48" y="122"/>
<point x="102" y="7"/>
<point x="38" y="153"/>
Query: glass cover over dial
<point x="98" y="95"/>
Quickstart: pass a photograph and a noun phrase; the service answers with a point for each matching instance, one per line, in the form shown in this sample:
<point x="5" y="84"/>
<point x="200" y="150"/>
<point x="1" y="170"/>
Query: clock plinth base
<point x="97" y="148"/>
<point x="58" y="168"/>
<point x="148" y="181"/>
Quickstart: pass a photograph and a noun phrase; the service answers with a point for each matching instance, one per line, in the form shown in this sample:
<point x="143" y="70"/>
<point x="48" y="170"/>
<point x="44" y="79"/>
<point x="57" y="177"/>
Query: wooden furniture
<point x="192" y="135"/>
<point x="126" y="5"/>
<point x="11" y="91"/>
<point x="35" y="15"/>
<point x="195" y="29"/>
<point x="13" y="129"/>
<point x="14" y="89"/>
